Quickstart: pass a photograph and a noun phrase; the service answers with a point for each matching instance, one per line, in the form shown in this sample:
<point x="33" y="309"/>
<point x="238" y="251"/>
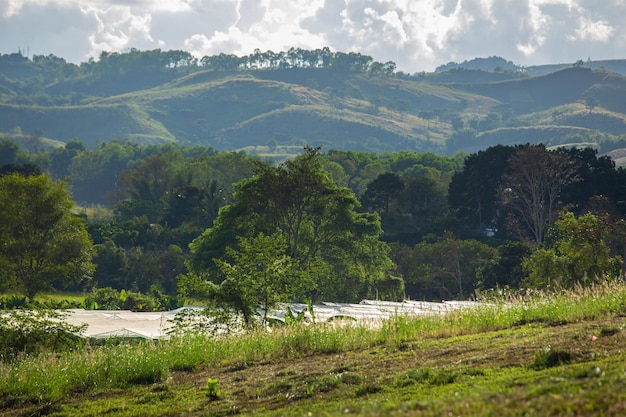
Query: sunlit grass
<point x="51" y="376"/>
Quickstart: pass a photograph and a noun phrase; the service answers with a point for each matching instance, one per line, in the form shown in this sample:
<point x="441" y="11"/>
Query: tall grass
<point x="48" y="377"/>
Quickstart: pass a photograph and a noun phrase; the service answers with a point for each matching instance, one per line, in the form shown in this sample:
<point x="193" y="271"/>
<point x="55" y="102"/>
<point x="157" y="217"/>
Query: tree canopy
<point x="42" y="242"/>
<point x="337" y="247"/>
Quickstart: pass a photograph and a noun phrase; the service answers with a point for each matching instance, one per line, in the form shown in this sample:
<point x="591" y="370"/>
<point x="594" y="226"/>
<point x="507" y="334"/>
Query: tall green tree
<point x="473" y="192"/>
<point x="532" y="187"/>
<point x="9" y="152"/>
<point x="319" y="223"/>
<point x="381" y="192"/>
<point x="259" y="276"/>
<point x="577" y="251"/>
<point x="445" y="269"/>
<point x="42" y="242"/>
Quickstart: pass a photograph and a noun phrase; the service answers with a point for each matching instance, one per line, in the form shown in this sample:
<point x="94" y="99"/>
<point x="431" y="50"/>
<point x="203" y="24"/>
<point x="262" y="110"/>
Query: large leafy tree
<point x="445" y="269"/>
<point x="577" y="251"/>
<point x="532" y="187"/>
<point x="318" y="221"/>
<point x="259" y="276"/>
<point x="41" y="241"/>
<point x="472" y="193"/>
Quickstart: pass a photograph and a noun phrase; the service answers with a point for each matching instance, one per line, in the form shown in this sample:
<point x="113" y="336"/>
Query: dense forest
<point x="168" y="222"/>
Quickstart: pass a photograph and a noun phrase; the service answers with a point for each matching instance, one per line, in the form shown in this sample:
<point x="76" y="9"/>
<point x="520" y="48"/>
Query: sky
<point x="418" y="35"/>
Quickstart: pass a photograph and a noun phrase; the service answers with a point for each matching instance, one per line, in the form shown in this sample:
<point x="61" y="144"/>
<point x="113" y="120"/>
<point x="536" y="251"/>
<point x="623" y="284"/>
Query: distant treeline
<point x="176" y="60"/>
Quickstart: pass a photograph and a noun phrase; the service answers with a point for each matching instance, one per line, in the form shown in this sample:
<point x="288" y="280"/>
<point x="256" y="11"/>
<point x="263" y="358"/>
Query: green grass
<point x="541" y="354"/>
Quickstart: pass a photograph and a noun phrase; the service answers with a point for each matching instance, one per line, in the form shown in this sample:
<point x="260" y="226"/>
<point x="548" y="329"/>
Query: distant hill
<point x="613" y="65"/>
<point x="339" y="101"/>
<point x="491" y="64"/>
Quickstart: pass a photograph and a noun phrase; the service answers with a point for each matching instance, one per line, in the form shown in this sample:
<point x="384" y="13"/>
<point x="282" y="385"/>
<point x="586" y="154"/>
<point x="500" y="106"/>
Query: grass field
<point x="538" y="355"/>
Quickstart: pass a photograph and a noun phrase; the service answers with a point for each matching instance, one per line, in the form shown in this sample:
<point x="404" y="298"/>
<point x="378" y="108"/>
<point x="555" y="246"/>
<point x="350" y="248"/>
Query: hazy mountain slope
<point x="337" y="107"/>
<point x="549" y="135"/>
<point x="360" y="112"/>
<point x="537" y="93"/>
<point x="614" y="65"/>
<point x="88" y="123"/>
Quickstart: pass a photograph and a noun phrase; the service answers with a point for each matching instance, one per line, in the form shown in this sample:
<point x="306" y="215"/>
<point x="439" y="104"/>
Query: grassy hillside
<point x="538" y="355"/>
<point x="89" y="123"/>
<point x="538" y="93"/>
<point x="338" y="108"/>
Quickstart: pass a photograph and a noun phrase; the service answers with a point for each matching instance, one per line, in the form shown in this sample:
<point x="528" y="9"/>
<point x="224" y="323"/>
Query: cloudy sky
<point x="417" y="35"/>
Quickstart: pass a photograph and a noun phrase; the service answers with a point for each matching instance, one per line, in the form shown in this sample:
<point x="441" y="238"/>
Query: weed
<point x="328" y="383"/>
<point x="280" y="386"/>
<point x="368" y="389"/>
<point x="548" y="358"/>
<point x="610" y="331"/>
<point x="351" y="379"/>
<point x="212" y="390"/>
<point x="425" y="376"/>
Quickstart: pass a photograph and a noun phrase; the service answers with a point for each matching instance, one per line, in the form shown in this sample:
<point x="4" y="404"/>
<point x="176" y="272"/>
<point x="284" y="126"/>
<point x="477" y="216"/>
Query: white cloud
<point x="416" y="34"/>
<point x="597" y="31"/>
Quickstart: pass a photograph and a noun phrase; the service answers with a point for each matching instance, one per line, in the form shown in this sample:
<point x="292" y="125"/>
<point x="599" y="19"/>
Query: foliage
<point x="107" y="298"/>
<point x="505" y="269"/>
<point x="532" y="187"/>
<point x="321" y="228"/>
<point x="473" y="191"/>
<point x="212" y="389"/>
<point x="10" y="152"/>
<point x="259" y="275"/>
<point x="12" y="302"/>
<point x="213" y="319"/>
<point x="576" y="252"/>
<point x="167" y="195"/>
<point x="448" y="268"/>
<point x="42" y="241"/>
<point x="35" y="331"/>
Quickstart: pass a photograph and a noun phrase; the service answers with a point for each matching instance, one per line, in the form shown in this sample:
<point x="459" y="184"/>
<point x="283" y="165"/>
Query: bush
<point x="12" y="301"/>
<point x="108" y="298"/>
<point x="35" y="331"/>
<point x="103" y="299"/>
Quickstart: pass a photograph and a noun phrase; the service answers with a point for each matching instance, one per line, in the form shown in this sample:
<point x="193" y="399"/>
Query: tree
<point x="61" y="158"/>
<point x="42" y="242"/>
<point x="473" y="192"/>
<point x="381" y="192"/>
<point x="591" y="103"/>
<point x="10" y="152"/>
<point x="444" y="269"/>
<point x="532" y="187"/>
<point x="595" y="176"/>
<point x="259" y="276"/>
<point x="319" y="223"/>
<point x="505" y="269"/>
<point x="577" y="251"/>
<point x="94" y="173"/>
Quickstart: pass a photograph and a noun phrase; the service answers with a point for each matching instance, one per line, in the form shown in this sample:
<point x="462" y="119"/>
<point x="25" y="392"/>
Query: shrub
<point x="108" y="298"/>
<point x="34" y="331"/>
<point x="103" y="299"/>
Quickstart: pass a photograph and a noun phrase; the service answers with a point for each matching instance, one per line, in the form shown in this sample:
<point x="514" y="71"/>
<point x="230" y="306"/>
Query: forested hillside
<point x="275" y="103"/>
